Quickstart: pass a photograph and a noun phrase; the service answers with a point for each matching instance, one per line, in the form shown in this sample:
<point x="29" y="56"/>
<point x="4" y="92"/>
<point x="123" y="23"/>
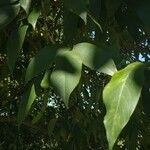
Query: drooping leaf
<point x="41" y="61"/>
<point x="121" y="96"/>
<point x="8" y="11"/>
<point x="26" y="103"/>
<point x="14" y="45"/>
<point x="25" y="4"/>
<point x="78" y="7"/>
<point x="51" y="126"/>
<point x="96" y="57"/>
<point x="33" y="17"/>
<point x="67" y="74"/>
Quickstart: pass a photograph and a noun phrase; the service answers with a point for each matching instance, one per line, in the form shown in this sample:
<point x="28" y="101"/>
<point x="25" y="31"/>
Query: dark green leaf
<point x="67" y="74"/>
<point x="14" y="45"/>
<point x="41" y="61"/>
<point x="96" y="58"/>
<point x="7" y="13"/>
<point x="26" y="103"/>
<point x="41" y="112"/>
<point x="121" y="96"/>
<point x="51" y="126"/>
<point x="78" y="7"/>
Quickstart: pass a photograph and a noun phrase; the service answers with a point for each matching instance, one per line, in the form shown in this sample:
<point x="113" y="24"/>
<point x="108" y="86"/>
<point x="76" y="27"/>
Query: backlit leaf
<point x="121" y="96"/>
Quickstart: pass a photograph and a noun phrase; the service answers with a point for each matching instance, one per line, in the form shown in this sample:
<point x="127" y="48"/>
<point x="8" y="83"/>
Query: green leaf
<point x="143" y="11"/>
<point x="8" y="12"/>
<point x="71" y="23"/>
<point x="25" y="4"/>
<point x="78" y="7"/>
<point x="45" y="83"/>
<point x="26" y="103"/>
<point x="33" y="17"/>
<point x="41" y="61"/>
<point x="96" y="58"/>
<point x="14" y="45"/>
<point x="51" y="126"/>
<point x="67" y="74"/>
<point x="41" y="112"/>
<point x="121" y="96"/>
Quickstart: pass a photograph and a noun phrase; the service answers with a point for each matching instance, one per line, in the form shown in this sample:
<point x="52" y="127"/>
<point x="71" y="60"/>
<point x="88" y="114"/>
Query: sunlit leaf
<point x="97" y="58"/>
<point x="14" y="45"/>
<point x="25" y="4"/>
<point x="8" y="12"/>
<point x="67" y="74"/>
<point x="26" y="103"/>
<point x="121" y="96"/>
<point x="33" y="17"/>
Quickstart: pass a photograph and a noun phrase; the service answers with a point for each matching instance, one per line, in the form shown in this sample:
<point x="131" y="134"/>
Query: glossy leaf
<point x="33" y="17"/>
<point x="78" y="7"/>
<point x="121" y="96"/>
<point x="8" y="12"/>
<point x="67" y="74"/>
<point x="41" y="61"/>
<point x="25" y="4"/>
<point x="96" y="58"/>
<point x="14" y="45"/>
<point x="26" y="103"/>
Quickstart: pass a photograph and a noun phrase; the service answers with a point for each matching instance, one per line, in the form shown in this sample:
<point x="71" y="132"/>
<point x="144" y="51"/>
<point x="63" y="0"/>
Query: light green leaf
<point x="26" y="103"/>
<point x="67" y="74"/>
<point x="78" y="7"/>
<point x="96" y="58"/>
<point x="25" y="4"/>
<point x="33" y="17"/>
<point x="41" y="61"/>
<point x="14" y="45"/>
<point x="120" y="97"/>
<point x="45" y="83"/>
<point x="8" y="12"/>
